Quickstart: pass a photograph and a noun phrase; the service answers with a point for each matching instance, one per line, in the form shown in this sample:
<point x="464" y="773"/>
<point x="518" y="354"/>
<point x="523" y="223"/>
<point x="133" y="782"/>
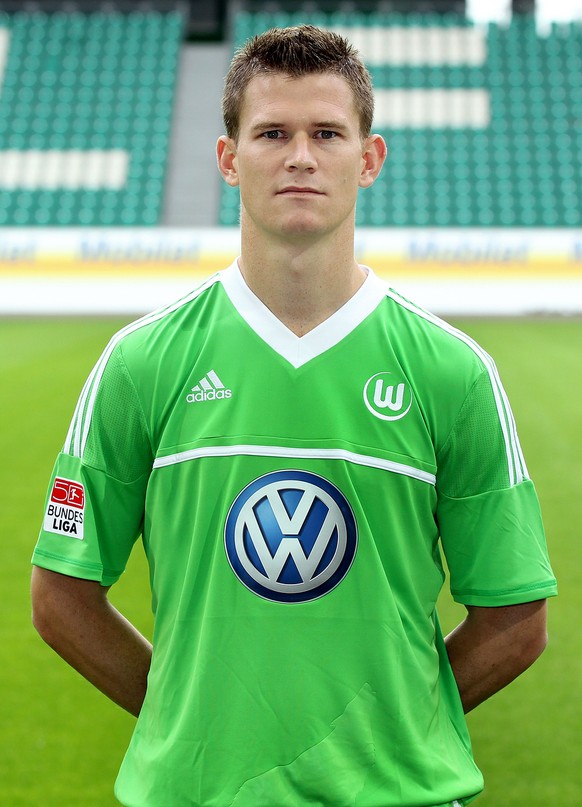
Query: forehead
<point x="276" y="97"/>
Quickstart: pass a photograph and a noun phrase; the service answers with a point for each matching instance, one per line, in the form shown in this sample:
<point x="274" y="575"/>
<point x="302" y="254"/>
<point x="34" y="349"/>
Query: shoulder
<point x="143" y="348"/>
<point x="139" y="359"/>
<point x="166" y="325"/>
<point x="442" y="363"/>
<point x="429" y="342"/>
<point x="157" y="343"/>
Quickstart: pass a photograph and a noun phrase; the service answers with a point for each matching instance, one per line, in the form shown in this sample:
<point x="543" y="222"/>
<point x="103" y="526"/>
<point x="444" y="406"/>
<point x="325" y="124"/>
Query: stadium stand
<point x="85" y="114"/>
<point x="482" y="122"/>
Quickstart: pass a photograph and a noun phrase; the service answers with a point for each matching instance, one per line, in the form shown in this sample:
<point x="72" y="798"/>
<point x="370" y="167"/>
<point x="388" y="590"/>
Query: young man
<point x="295" y="441"/>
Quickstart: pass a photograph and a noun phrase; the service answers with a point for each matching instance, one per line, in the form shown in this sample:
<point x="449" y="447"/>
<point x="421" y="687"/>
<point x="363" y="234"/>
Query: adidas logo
<point x="209" y="388"/>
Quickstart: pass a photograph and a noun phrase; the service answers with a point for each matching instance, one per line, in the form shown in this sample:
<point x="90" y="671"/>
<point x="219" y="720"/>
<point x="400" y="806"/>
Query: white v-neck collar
<point x="298" y="350"/>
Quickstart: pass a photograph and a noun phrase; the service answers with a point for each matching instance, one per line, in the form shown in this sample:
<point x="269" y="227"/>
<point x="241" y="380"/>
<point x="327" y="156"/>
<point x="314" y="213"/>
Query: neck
<point x="301" y="283"/>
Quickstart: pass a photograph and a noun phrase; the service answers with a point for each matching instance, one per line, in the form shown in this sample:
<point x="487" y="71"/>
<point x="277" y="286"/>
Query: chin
<point x="303" y="227"/>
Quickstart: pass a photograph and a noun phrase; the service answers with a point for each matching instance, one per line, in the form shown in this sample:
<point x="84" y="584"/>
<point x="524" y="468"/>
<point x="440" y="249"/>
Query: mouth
<point x="293" y="189"/>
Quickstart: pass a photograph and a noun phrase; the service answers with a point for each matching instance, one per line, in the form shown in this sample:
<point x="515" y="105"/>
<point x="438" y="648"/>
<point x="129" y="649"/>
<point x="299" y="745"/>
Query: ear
<point x="373" y="157"/>
<point x="226" y="158"/>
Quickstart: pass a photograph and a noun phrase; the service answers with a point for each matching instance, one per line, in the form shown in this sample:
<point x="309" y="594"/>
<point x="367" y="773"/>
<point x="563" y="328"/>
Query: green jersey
<point x="293" y="495"/>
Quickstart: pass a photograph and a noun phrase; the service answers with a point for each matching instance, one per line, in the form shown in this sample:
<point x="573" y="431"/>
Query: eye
<point x="327" y="134"/>
<point x="272" y="134"/>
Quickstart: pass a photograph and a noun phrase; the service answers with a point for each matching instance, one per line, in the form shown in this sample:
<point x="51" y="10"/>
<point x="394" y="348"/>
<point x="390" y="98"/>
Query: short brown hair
<point x="297" y="51"/>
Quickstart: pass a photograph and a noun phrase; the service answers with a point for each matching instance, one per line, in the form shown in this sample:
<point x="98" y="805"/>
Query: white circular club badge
<point x="387" y="397"/>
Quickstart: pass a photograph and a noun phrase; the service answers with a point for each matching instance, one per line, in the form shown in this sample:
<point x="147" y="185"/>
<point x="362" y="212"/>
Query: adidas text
<point x="208" y="395"/>
<point x="209" y="388"/>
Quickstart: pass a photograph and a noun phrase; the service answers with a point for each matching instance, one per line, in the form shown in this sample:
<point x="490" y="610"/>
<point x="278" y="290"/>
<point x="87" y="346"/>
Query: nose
<point x="301" y="156"/>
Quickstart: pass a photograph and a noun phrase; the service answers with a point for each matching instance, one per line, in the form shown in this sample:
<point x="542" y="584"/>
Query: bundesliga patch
<point x="66" y="508"/>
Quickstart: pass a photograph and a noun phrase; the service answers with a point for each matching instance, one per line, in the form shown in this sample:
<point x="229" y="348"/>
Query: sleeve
<point x="487" y="509"/>
<point x="95" y="503"/>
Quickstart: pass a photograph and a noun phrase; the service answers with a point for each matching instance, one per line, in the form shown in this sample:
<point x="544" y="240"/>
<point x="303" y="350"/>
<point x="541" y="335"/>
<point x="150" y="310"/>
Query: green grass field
<point x="62" y="742"/>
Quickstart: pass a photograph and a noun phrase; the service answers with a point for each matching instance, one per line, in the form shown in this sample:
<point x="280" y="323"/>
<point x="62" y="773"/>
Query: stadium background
<point x="110" y="204"/>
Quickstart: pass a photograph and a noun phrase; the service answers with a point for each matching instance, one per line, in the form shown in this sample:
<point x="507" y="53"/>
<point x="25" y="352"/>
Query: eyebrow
<point x="331" y="125"/>
<point x="271" y="125"/>
<point x="265" y="126"/>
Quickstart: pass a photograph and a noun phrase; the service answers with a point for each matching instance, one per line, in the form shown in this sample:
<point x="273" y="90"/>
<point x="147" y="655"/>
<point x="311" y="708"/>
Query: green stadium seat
<point x="81" y="89"/>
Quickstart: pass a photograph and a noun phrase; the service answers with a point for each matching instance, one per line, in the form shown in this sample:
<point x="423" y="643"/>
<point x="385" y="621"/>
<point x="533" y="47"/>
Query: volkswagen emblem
<point x="290" y="536"/>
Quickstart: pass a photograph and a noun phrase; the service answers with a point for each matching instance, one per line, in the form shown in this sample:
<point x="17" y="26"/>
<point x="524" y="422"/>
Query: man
<point x="292" y="440"/>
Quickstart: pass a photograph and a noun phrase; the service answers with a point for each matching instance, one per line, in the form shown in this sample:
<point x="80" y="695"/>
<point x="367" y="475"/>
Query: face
<point x="299" y="158"/>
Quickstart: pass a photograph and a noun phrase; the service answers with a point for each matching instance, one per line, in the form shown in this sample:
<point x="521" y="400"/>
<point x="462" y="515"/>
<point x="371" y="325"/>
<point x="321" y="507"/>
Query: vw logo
<point x="290" y="536"/>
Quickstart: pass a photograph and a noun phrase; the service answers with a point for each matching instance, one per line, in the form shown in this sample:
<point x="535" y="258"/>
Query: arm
<point x="77" y="620"/>
<point x="492" y="646"/>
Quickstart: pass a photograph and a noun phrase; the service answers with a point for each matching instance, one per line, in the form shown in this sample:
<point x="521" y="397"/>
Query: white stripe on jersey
<point x="515" y="460"/>
<point x="78" y="433"/>
<point x="287" y="452"/>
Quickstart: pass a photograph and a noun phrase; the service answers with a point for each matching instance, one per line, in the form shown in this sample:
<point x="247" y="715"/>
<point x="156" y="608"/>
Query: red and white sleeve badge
<point x="66" y="508"/>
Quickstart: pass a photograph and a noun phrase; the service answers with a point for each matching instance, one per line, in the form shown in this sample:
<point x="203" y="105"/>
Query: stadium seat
<point x="85" y="109"/>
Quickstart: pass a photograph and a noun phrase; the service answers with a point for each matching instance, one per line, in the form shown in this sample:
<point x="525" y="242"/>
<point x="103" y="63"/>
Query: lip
<point x="296" y="189"/>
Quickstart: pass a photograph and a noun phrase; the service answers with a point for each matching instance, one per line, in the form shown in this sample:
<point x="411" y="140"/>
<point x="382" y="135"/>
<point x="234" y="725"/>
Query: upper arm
<point x="521" y="627"/>
<point x="57" y="597"/>
<point x="493" y="646"/>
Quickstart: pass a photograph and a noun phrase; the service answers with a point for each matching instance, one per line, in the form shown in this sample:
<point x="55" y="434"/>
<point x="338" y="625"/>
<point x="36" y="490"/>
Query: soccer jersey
<point x="293" y="495"/>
